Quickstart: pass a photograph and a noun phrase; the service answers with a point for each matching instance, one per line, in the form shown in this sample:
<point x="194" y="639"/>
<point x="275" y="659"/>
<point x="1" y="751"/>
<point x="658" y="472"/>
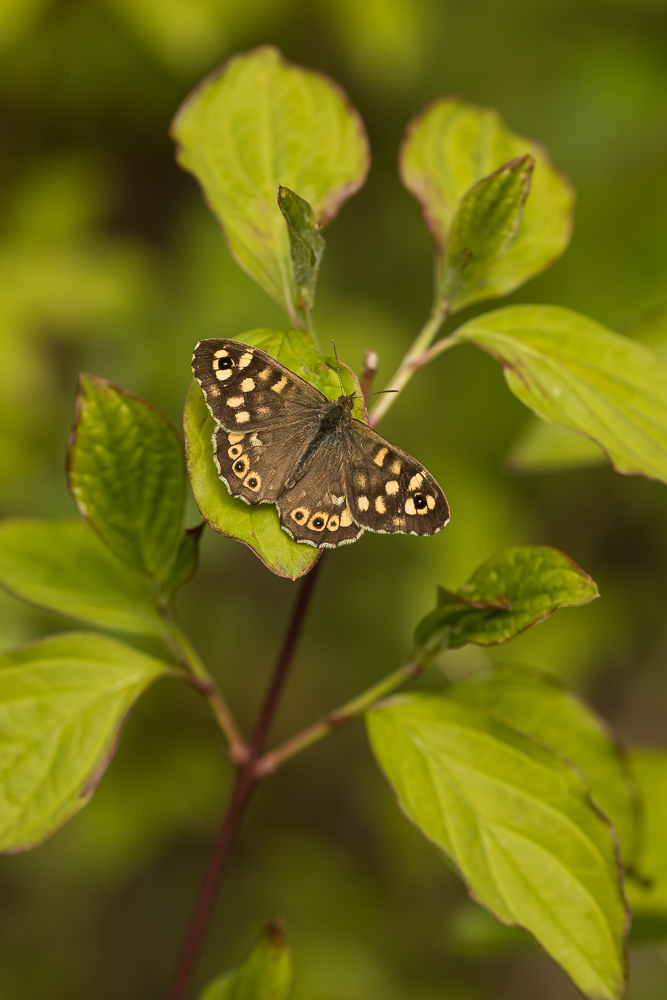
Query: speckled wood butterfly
<point x="279" y="440"/>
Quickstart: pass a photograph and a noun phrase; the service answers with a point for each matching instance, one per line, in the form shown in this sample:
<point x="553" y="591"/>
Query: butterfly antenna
<point x="342" y="391"/>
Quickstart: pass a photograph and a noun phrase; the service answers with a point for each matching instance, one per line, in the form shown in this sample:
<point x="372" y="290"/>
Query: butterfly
<point x="279" y="440"/>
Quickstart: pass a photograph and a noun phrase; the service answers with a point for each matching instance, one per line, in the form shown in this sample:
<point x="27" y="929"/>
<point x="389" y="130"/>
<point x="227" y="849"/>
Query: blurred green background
<point x="110" y="262"/>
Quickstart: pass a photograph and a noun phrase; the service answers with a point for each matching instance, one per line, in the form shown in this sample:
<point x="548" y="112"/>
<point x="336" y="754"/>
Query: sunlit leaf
<point x="520" y="586"/>
<point x="258" y="123"/>
<point x="552" y="448"/>
<point x="647" y="891"/>
<point x="450" y="147"/>
<point x="266" y="974"/>
<point x="63" y="566"/>
<point x="62" y="704"/>
<point x="484" y="227"/>
<point x="127" y="474"/>
<point x="540" y="705"/>
<point x="186" y="560"/>
<point x="517" y="821"/>
<point x="306" y="245"/>
<point x="572" y="371"/>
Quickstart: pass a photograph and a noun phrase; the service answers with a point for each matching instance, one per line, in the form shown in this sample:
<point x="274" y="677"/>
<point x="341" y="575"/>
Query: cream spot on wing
<point x="360" y="481"/>
<point x="247" y="385"/>
<point x="430" y="502"/>
<point x="215" y="365"/>
<point x="221" y="354"/>
<point x="253" y="482"/>
<point x="300" y="514"/>
<point x="362" y="503"/>
<point x="235" y="451"/>
<point x="332" y="523"/>
<point x="241" y="466"/>
<point x="396" y="467"/>
<point x="224" y="374"/>
<point x="279" y="386"/>
<point x="380" y="505"/>
<point x="243" y="417"/>
<point x="235" y="438"/>
<point x="379" y="458"/>
<point x="264" y="374"/>
<point x="255" y="442"/>
<point x="263" y="410"/>
<point x="338" y="501"/>
<point x="391" y="487"/>
<point x="245" y="359"/>
<point x="345" y="519"/>
<point x="398" y="522"/>
<point x="318" y="521"/>
<point x="235" y="401"/>
<point x="410" y="506"/>
<point x="415" y="482"/>
<point x="213" y="391"/>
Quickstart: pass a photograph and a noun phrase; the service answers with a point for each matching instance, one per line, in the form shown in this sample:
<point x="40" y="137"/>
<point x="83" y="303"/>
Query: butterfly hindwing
<point x="247" y="389"/>
<point x="389" y="490"/>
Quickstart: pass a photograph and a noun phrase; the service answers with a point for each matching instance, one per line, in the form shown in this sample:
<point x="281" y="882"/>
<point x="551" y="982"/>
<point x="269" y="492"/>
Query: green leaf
<point x="516" y="820"/>
<point x="63" y="702"/>
<point x="484" y="227"/>
<point x="186" y="559"/>
<point x="127" y="474"/>
<point x="306" y="245"/>
<point x="266" y="974"/>
<point x="647" y="894"/>
<point x="63" y="566"/>
<point x="540" y="706"/>
<point x="450" y="147"/>
<point x="258" y="527"/>
<point x="520" y="586"/>
<point x="258" y="123"/>
<point x="572" y="371"/>
<point x="551" y="448"/>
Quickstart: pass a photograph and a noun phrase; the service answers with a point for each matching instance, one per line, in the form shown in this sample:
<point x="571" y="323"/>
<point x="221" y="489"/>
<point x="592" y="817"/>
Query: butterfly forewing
<point x="279" y="440"/>
<point x="247" y="389"/>
<point x="389" y="491"/>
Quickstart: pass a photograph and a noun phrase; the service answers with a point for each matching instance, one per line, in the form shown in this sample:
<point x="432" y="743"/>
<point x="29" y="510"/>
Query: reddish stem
<point x="247" y="777"/>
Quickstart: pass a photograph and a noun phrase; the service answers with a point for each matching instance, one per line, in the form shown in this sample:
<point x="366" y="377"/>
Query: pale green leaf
<point x="266" y="974"/>
<point x="484" y="227"/>
<point x="518" y="587"/>
<point x="258" y="123"/>
<point x="544" y="447"/>
<point x="63" y="566"/>
<point x="63" y="702"/>
<point x="572" y="371"/>
<point x="517" y="821"/>
<point x="540" y="705"/>
<point x="127" y="474"/>
<point x="449" y="148"/>
<point x="186" y="560"/>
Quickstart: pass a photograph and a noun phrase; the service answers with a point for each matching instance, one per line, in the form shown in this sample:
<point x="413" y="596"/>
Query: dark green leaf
<point x="62" y="565"/>
<point x="306" y="245"/>
<point x="517" y="588"/>
<point x="63" y="702"/>
<point x="260" y="122"/>
<point x="186" y="560"/>
<point x="127" y="474"/>
<point x="517" y="821"/>
<point x="571" y="371"/>
<point x="484" y="227"/>
<point x="266" y="974"/>
<point x="539" y="705"/>
<point x="452" y="146"/>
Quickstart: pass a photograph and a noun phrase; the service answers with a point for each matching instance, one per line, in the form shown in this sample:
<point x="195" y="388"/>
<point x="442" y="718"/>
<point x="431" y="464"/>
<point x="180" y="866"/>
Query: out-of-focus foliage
<point x="109" y="262"/>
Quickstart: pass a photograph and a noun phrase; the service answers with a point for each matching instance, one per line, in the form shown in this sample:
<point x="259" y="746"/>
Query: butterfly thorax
<point x="334" y="416"/>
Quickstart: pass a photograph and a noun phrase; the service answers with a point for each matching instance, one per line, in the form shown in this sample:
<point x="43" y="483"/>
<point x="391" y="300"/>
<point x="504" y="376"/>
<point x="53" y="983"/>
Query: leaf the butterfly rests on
<point x="280" y="440"/>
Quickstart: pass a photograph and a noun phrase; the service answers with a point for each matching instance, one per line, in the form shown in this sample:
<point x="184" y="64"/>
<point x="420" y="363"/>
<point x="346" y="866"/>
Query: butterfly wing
<point x="388" y="490"/>
<point x="246" y="389"/>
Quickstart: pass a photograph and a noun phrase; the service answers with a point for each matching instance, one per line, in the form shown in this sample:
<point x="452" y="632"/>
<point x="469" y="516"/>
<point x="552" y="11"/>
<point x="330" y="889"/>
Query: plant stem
<point x="341" y="716"/>
<point x="205" y="683"/>
<point x="415" y="357"/>
<point x="246" y="779"/>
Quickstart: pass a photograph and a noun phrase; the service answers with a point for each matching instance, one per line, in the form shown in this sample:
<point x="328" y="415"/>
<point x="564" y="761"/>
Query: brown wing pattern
<point x="389" y="490"/>
<point x="246" y="389"/>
